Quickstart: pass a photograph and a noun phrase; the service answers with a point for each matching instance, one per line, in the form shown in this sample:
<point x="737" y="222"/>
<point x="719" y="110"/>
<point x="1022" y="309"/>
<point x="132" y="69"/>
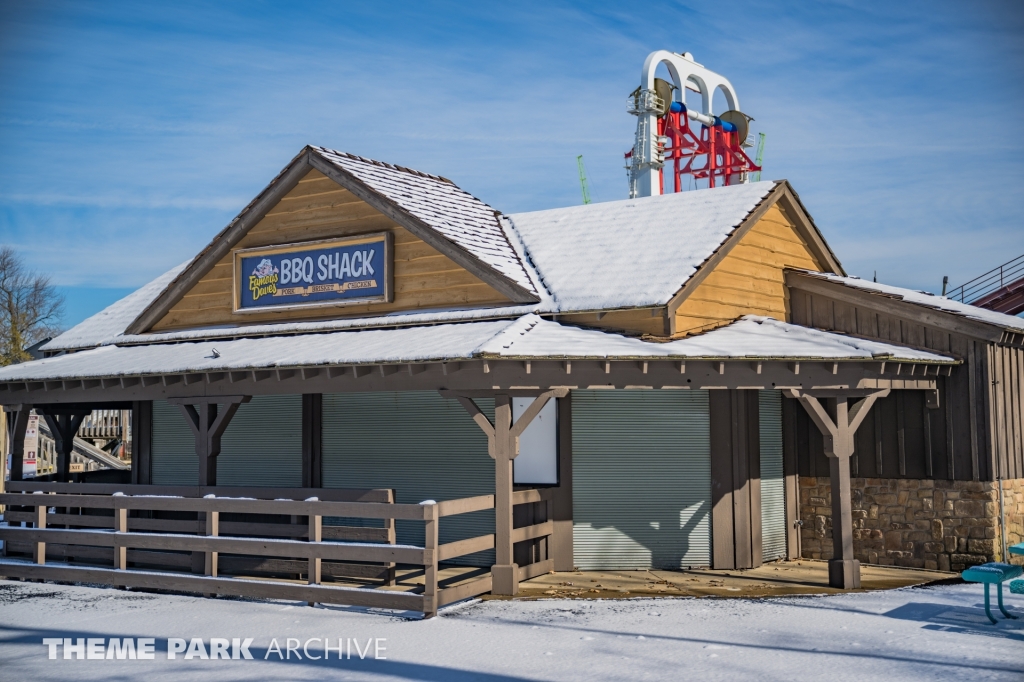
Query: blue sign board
<point x="321" y="273"/>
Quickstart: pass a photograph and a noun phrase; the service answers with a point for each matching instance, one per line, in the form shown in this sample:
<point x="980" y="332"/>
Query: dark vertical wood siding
<point x="976" y="434"/>
<point x="883" y="427"/>
<point x="735" y="479"/>
<point x="1006" y="377"/>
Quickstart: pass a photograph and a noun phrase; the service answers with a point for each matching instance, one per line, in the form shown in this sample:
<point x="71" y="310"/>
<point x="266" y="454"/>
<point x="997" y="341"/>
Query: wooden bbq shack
<point x="375" y="389"/>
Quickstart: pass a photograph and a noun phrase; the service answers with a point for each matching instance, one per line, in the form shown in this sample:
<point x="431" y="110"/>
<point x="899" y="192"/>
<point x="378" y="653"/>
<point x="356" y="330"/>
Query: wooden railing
<point x="248" y="524"/>
<point x="121" y="525"/>
<point x="481" y="543"/>
<point x="106" y="424"/>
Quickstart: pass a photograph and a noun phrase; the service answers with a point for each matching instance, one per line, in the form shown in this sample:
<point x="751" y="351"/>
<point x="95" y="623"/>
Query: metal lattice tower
<point x="583" y="179"/>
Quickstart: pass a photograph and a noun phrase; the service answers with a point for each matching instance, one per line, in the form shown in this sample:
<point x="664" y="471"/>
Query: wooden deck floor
<point x="770" y="580"/>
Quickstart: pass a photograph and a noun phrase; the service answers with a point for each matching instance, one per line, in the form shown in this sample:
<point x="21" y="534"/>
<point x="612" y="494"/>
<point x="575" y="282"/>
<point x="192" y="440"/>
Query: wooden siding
<point x="1007" y="371"/>
<point x="977" y="433"/>
<point x="901" y="438"/>
<point x="750" y="279"/>
<point x="318" y="208"/>
<point x="735" y="479"/>
<point x="643" y="321"/>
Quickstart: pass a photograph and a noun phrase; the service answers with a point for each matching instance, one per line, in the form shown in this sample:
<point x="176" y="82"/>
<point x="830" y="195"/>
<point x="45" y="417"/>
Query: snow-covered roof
<point x="751" y="337"/>
<point x="107" y="327"/>
<point x="411" y="344"/>
<point x="923" y="298"/>
<point x="527" y="337"/>
<point x="632" y="253"/>
<point x="111" y="322"/>
<point x="442" y="205"/>
<point x="406" y="318"/>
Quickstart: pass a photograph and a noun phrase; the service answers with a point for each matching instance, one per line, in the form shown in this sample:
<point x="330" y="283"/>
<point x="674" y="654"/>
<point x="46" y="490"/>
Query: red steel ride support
<point x="718" y="146"/>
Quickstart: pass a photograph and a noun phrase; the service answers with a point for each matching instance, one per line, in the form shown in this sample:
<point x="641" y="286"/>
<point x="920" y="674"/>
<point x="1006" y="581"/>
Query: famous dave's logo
<point x="319" y="273"/>
<point x="263" y="279"/>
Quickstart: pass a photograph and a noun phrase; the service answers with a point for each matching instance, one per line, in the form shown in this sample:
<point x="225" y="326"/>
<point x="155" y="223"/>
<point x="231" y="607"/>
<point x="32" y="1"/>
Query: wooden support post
<point x="504" y="573"/>
<point x="142" y="442"/>
<point x="843" y="569"/>
<point x="316" y="534"/>
<point x="389" y="525"/>
<point x="64" y="425"/>
<point x="430" y="569"/>
<point x="503" y="447"/>
<point x="560" y="548"/>
<point x="312" y="440"/>
<point x="838" y="436"/>
<point x="212" y="530"/>
<point x="39" y="553"/>
<point x="17" y="424"/>
<point x="208" y="426"/>
<point x="120" y="526"/>
<point x="549" y="515"/>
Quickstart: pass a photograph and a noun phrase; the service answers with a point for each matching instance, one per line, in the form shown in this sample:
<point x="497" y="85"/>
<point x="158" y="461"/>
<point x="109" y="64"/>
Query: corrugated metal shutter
<point x="773" y="483"/>
<point x="641" y="474"/>
<point x="262" y="445"/>
<point x="423" y="446"/>
<point x="174" y="447"/>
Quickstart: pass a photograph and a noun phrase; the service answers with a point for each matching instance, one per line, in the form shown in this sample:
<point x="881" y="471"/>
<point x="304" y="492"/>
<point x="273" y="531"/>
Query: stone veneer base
<point x="938" y="525"/>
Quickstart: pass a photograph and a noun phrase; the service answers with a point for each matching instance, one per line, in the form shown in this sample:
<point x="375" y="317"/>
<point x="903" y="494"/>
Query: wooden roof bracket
<point x="838" y="436"/>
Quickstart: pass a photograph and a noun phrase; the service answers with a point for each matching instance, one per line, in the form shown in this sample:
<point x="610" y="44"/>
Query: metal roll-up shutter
<point x="420" y="444"/>
<point x="174" y="447"/>
<point x="262" y="445"/>
<point x="773" y="482"/>
<point x="641" y="473"/>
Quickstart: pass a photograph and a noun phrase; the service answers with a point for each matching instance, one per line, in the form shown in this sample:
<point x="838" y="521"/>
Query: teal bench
<point x="1017" y="586"/>
<point x="993" y="574"/>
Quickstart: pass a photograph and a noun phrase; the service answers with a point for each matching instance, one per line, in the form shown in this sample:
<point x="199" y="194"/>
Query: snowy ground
<point x="931" y="633"/>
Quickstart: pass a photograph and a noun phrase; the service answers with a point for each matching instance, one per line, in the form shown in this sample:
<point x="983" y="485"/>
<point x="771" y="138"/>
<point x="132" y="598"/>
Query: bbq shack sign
<point x="314" y="274"/>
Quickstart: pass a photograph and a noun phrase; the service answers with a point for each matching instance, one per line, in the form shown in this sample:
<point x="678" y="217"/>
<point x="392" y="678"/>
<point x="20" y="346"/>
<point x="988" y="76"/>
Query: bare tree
<point x="30" y="308"/>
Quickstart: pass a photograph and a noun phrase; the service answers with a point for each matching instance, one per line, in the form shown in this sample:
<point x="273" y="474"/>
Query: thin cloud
<point x="143" y="129"/>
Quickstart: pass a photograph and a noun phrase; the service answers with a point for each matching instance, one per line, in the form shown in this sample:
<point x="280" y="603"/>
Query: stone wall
<point x="944" y="525"/>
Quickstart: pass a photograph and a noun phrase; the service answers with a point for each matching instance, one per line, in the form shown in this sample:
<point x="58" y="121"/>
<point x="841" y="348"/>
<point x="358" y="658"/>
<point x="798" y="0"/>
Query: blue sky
<point x="131" y="133"/>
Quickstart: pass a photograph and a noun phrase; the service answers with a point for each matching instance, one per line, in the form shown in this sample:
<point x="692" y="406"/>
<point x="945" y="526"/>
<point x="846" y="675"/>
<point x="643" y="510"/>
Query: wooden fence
<point x="127" y="527"/>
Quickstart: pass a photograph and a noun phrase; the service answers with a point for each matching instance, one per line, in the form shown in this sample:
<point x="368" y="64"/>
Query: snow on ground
<point x="929" y="633"/>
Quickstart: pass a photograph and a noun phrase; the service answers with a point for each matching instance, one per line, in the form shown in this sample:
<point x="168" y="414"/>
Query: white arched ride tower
<point x="663" y="127"/>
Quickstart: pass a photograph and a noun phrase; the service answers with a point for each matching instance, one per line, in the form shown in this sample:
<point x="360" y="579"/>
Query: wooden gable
<point x="750" y="278"/>
<point x="746" y="276"/>
<point x="318" y="208"/>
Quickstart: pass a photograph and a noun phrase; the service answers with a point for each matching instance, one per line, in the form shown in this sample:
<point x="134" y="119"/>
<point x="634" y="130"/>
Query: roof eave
<point x="814" y="283"/>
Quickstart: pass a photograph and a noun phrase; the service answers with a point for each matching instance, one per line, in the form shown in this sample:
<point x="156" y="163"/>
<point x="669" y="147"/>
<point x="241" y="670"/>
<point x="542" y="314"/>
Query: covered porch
<point x="499" y="376"/>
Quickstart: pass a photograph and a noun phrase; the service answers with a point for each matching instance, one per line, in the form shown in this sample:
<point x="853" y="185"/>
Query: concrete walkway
<point x="930" y="634"/>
